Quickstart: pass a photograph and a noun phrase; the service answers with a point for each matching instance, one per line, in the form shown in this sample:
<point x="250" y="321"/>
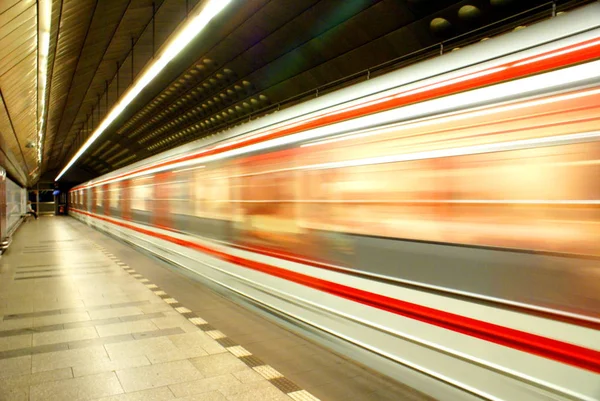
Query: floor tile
<point x="16" y="309"/>
<point x="59" y="304"/>
<point x="210" y="396"/>
<point x="62" y="336"/>
<point x="157" y="333"/>
<point x="14" y="393"/>
<point x="191" y="340"/>
<point x="145" y="316"/>
<point x="215" y="365"/>
<point x="140" y="347"/>
<point x="68" y="358"/>
<point x="79" y="388"/>
<point x="90" y="323"/>
<point x="136" y="379"/>
<point x="100" y="341"/>
<point x="156" y="307"/>
<point x="153" y="394"/>
<point x="61" y="318"/>
<point x="16" y="324"/>
<point x="204" y="385"/>
<point x="175" y="321"/>
<point x="15" y="366"/>
<point x="126" y="328"/>
<point x="213" y="348"/>
<point x="115" y="312"/>
<point x="140" y="293"/>
<point x="27" y="380"/>
<point x="105" y="300"/>
<point x="249" y="388"/>
<point x="15" y="342"/>
<point x="248" y="376"/>
<point x="100" y="366"/>
<point x="175" y="355"/>
<point x="32" y="314"/>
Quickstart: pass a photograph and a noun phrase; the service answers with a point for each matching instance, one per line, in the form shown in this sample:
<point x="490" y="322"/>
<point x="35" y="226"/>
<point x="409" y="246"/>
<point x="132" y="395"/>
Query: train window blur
<point x="211" y="193"/>
<point x="98" y="196"/>
<point x="268" y="190"/>
<point x="141" y="193"/>
<point x="497" y="199"/>
<point x="114" y="195"/>
<point x="179" y="193"/>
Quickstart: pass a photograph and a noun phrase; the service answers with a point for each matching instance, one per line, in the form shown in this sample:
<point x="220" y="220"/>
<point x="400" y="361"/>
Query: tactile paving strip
<point x="273" y="376"/>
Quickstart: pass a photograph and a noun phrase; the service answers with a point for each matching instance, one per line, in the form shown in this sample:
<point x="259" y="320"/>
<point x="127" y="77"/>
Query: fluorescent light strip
<point x="44" y="22"/>
<point x="188" y="33"/>
<point x="534" y="84"/>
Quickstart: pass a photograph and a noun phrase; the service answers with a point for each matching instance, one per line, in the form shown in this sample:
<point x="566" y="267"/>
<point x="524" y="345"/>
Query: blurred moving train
<point x="440" y="223"/>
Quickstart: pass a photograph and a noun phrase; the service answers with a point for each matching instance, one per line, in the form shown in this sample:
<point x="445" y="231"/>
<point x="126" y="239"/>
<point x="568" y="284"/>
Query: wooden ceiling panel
<point x="19" y="8"/>
<point x="18" y="80"/>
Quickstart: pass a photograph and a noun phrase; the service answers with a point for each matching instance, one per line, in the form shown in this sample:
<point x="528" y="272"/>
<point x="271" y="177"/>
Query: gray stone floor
<point x="85" y="317"/>
<point x="77" y="326"/>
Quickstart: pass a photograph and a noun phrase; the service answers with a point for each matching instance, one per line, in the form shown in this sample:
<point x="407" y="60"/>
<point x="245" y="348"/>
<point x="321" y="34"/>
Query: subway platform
<point x="85" y="317"/>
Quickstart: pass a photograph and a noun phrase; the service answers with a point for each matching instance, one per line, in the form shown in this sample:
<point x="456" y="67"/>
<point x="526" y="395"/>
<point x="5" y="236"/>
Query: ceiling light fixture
<point x="44" y="21"/>
<point x="190" y="30"/>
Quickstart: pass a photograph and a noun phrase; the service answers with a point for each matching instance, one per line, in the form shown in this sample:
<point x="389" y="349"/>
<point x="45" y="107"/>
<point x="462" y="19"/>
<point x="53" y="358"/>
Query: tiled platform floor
<point x="76" y="326"/>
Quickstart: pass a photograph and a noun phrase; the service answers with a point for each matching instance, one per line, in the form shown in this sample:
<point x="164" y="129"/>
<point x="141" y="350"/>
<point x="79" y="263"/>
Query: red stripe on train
<point x="556" y="350"/>
<point x="339" y="269"/>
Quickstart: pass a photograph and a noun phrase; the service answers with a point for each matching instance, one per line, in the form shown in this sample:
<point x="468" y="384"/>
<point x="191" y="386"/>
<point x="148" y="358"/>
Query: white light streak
<point x="559" y="53"/>
<point x="189" y="32"/>
<point x="458" y="117"/>
<point x="44" y="22"/>
<point x="188" y="169"/>
<point x="463" y="151"/>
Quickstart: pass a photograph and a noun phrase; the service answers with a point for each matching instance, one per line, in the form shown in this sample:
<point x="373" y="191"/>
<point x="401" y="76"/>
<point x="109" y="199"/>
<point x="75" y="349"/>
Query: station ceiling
<point x="255" y="57"/>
